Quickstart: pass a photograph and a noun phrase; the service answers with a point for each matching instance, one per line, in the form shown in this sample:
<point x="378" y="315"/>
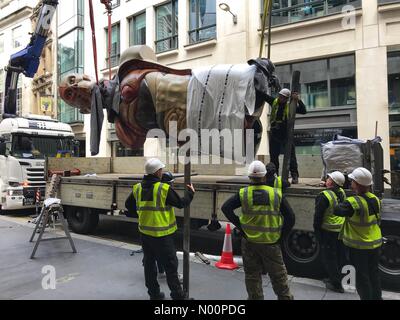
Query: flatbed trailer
<point x="85" y="197"/>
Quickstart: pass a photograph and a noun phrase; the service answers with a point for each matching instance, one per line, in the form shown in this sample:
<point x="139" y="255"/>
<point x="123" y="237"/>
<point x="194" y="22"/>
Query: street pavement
<point x="105" y="269"/>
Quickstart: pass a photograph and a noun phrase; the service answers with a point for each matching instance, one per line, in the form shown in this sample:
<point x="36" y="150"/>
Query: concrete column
<point x="372" y="97"/>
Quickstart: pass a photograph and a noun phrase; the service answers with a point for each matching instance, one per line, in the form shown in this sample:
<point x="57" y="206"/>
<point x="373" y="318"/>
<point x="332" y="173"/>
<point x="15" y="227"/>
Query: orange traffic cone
<point x="226" y="261"/>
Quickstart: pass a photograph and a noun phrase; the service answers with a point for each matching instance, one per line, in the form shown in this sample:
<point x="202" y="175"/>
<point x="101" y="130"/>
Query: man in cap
<point x="261" y="222"/>
<point x="327" y="227"/>
<point x="361" y="233"/>
<point x="278" y="128"/>
<point x="153" y="201"/>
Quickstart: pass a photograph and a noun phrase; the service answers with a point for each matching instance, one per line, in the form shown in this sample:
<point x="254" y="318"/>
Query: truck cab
<point x="25" y="142"/>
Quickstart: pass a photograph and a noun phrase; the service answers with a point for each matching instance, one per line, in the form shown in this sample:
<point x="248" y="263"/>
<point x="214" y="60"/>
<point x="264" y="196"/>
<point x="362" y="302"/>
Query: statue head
<point x="76" y="90"/>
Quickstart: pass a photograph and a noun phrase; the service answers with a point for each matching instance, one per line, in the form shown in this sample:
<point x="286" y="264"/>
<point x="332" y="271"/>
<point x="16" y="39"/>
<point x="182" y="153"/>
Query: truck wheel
<point x="82" y="220"/>
<point x="301" y="252"/>
<point x="389" y="264"/>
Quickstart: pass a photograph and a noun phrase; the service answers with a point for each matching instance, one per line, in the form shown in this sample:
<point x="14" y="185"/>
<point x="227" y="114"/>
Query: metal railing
<point x="309" y="10"/>
<point x="202" y="34"/>
<point x="166" y="44"/>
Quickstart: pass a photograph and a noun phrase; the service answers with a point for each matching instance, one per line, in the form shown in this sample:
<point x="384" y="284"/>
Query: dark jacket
<point x="321" y="204"/>
<point x="270" y="181"/>
<point x="281" y="130"/>
<point x="234" y="203"/>
<point x="173" y="199"/>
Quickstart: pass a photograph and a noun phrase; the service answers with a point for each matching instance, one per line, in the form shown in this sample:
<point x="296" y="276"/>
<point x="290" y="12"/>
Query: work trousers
<point x="275" y="146"/>
<point x="333" y="256"/>
<point x="259" y="257"/>
<point x="368" y="281"/>
<point x="162" y="250"/>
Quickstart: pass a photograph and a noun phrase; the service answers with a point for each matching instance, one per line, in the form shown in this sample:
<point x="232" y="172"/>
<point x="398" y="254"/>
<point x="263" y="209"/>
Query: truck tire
<point x="82" y="220"/>
<point x="301" y="253"/>
<point x="389" y="264"/>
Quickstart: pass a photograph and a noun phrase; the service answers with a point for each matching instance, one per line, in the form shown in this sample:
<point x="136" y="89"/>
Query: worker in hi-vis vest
<point x="327" y="227"/>
<point x="153" y="201"/>
<point x="361" y="233"/>
<point x="278" y="128"/>
<point x="261" y="223"/>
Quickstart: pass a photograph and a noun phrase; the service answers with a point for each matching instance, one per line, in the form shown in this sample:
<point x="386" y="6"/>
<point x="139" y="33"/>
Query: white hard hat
<point x="337" y="177"/>
<point x="362" y="176"/>
<point x="153" y="165"/>
<point x="257" y="169"/>
<point x="285" y="92"/>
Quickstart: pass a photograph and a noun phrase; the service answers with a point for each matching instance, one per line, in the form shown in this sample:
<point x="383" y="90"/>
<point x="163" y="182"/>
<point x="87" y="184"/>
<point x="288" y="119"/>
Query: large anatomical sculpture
<point x="145" y="95"/>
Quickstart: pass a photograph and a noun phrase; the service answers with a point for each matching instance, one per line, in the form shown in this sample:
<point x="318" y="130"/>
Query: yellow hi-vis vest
<point x="156" y="219"/>
<point x="261" y="223"/>
<point x="331" y="222"/>
<point x="274" y="111"/>
<point x="362" y="231"/>
<point x="278" y="183"/>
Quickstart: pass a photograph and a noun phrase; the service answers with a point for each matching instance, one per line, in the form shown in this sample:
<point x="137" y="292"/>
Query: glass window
<point x="70" y="60"/>
<point x="290" y="11"/>
<point x="121" y="151"/>
<point x="17" y="37"/>
<point x="70" y="53"/>
<point x="115" y="45"/>
<point x="70" y="15"/>
<point x="137" y="30"/>
<point x="324" y="83"/>
<point x="314" y="83"/>
<point x="308" y="142"/>
<point x="167" y="26"/>
<point x="394" y="81"/>
<point x="115" y="3"/>
<point x="1" y="43"/>
<point x="343" y="80"/>
<point x="202" y="20"/>
<point x="1" y="86"/>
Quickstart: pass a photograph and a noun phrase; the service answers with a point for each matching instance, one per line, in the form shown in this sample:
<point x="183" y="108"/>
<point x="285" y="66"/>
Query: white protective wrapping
<point x="342" y="155"/>
<point x="218" y="98"/>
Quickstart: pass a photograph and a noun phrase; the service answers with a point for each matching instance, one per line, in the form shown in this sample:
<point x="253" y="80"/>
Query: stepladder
<point x="51" y="212"/>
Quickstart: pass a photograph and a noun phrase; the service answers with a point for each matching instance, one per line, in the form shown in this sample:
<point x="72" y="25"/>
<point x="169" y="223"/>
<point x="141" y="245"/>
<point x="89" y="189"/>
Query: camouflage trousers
<point x="259" y="257"/>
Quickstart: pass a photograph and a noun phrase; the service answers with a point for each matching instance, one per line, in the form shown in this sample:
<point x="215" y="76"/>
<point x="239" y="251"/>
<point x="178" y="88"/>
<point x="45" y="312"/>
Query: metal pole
<point x="186" y="229"/>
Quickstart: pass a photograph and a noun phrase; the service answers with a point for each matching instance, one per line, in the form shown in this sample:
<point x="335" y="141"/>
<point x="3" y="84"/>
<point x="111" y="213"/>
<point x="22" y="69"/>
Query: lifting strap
<point x="107" y="4"/>
<point x="267" y="8"/>
<point x="93" y="39"/>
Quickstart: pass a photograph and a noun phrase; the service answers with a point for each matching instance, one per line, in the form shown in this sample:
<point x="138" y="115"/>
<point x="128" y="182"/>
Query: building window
<point x="70" y="15"/>
<point x="1" y="86"/>
<point x="119" y="150"/>
<point x="202" y="20"/>
<point x="115" y="3"/>
<point x="1" y="43"/>
<point x="17" y="37"/>
<point x="394" y="81"/>
<point x="167" y="27"/>
<point x="388" y="1"/>
<point x="137" y="30"/>
<point x="326" y="83"/>
<point x="290" y="11"/>
<point x="70" y="60"/>
<point x="394" y="108"/>
<point x="308" y="142"/>
<point x="115" y="45"/>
